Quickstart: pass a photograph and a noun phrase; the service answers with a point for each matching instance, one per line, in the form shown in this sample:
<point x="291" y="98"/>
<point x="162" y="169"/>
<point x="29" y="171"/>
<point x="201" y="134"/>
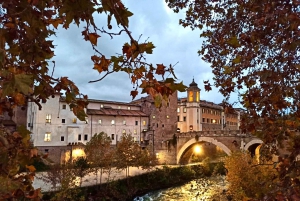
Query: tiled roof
<point x="116" y="112"/>
<point x="63" y="99"/>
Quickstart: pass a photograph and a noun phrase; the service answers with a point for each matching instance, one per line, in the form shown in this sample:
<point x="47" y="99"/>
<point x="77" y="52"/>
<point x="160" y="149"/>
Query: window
<point x="101" y="106"/>
<point x="47" y="137"/>
<point x="178" y="109"/>
<point x="144" y="123"/>
<point x="124" y="131"/>
<point x="184" y="118"/>
<point x="184" y="109"/>
<point x="119" y="107"/>
<point x="178" y="118"/>
<point x="162" y="125"/>
<point x="63" y="121"/>
<point x="85" y="137"/>
<point x="62" y="138"/>
<point x="79" y="137"/>
<point x="136" y="123"/>
<point x="134" y="131"/>
<point x="128" y="108"/>
<point x="99" y="121"/>
<point x="113" y="122"/>
<point x="203" y="110"/>
<point x="124" y="122"/>
<point x="153" y="116"/>
<point x="168" y="117"/>
<point x="203" y="120"/>
<point x="207" y="120"/>
<point x="48" y="118"/>
<point x="74" y="120"/>
<point x="64" y="106"/>
<point x="112" y="136"/>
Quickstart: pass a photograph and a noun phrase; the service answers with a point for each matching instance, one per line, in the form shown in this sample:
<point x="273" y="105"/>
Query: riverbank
<point x="131" y="187"/>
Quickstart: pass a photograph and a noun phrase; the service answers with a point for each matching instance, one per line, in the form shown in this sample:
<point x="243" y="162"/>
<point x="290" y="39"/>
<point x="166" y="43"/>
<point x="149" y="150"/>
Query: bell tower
<point x="193" y="107"/>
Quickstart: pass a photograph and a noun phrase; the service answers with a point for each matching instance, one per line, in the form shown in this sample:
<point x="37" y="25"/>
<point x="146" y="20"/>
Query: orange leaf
<point x="160" y="70"/>
<point x="134" y="94"/>
<point x="9" y="25"/>
<point x="56" y="22"/>
<point x="93" y="38"/>
<point x="31" y="168"/>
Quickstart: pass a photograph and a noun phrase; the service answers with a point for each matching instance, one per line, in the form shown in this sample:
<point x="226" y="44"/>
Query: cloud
<point x="152" y="21"/>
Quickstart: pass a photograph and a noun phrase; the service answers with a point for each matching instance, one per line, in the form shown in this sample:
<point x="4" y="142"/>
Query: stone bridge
<point x="226" y="140"/>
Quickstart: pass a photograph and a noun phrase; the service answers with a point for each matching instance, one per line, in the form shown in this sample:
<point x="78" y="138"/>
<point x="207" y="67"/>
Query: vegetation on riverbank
<point x="127" y="189"/>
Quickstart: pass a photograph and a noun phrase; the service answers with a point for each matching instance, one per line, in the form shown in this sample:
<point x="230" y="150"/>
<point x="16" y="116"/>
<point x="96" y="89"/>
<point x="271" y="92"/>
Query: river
<point x="207" y="189"/>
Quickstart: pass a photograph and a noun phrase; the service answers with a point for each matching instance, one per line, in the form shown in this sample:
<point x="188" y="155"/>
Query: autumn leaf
<point x="134" y="93"/>
<point x="160" y="70"/>
<point x="31" y="168"/>
<point x="9" y="25"/>
<point x="93" y="38"/>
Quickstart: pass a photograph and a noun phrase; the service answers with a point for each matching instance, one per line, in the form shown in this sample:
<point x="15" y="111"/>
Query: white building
<point x="56" y="130"/>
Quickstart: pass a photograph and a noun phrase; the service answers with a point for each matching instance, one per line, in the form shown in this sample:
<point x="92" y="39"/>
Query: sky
<point x="153" y="21"/>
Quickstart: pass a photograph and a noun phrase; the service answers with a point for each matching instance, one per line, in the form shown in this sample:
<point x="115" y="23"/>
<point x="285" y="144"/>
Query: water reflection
<point x="212" y="188"/>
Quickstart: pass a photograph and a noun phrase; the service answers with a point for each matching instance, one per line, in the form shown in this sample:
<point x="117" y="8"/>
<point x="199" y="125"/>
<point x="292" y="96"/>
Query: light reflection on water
<point x="196" y="190"/>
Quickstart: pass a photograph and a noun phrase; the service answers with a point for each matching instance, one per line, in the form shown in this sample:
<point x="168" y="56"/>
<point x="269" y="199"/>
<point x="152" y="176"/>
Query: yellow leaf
<point x="31" y="168"/>
<point x="93" y="38"/>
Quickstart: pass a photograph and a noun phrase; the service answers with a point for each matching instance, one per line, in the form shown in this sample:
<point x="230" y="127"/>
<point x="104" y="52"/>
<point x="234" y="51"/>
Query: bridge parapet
<point x="218" y="133"/>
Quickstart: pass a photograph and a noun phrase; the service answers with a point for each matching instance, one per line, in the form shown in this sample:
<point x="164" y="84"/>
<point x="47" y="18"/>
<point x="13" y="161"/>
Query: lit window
<point x="124" y="131"/>
<point x="113" y="122"/>
<point x="191" y="96"/>
<point x="74" y="120"/>
<point x="64" y="107"/>
<point x="119" y="107"/>
<point x="47" y="137"/>
<point x="48" y="118"/>
<point x="178" y="109"/>
<point x="153" y="116"/>
<point x="134" y="139"/>
<point x="79" y="137"/>
<point x="100" y="121"/>
<point x="168" y="116"/>
<point x="101" y="106"/>
<point x="134" y="131"/>
<point x="85" y="137"/>
<point x="184" y="109"/>
<point x="124" y="122"/>
<point x="128" y="108"/>
<point x="144" y="123"/>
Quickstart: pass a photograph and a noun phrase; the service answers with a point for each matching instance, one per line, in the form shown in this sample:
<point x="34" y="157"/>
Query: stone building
<point x="162" y="127"/>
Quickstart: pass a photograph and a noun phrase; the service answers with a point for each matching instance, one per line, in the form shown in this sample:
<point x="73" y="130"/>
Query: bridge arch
<point x="252" y="142"/>
<point x="206" y="139"/>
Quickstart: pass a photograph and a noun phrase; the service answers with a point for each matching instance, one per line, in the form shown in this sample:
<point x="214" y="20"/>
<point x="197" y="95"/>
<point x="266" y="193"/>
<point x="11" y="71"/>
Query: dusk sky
<point x="155" y="22"/>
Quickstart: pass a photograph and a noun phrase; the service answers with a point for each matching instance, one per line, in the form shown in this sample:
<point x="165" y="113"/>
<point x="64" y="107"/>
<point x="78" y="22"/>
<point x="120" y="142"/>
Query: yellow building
<point x="194" y="114"/>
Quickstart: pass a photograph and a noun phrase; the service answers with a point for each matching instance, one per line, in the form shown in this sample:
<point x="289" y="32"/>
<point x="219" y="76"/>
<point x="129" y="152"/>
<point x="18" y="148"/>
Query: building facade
<point x="194" y="114"/>
<point x="57" y="132"/>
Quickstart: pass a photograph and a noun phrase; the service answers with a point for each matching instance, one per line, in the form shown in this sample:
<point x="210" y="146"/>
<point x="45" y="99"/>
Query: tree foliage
<point x="26" y="51"/>
<point x="129" y="153"/>
<point x="100" y="153"/>
<point x="253" y="49"/>
<point x="16" y="154"/>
